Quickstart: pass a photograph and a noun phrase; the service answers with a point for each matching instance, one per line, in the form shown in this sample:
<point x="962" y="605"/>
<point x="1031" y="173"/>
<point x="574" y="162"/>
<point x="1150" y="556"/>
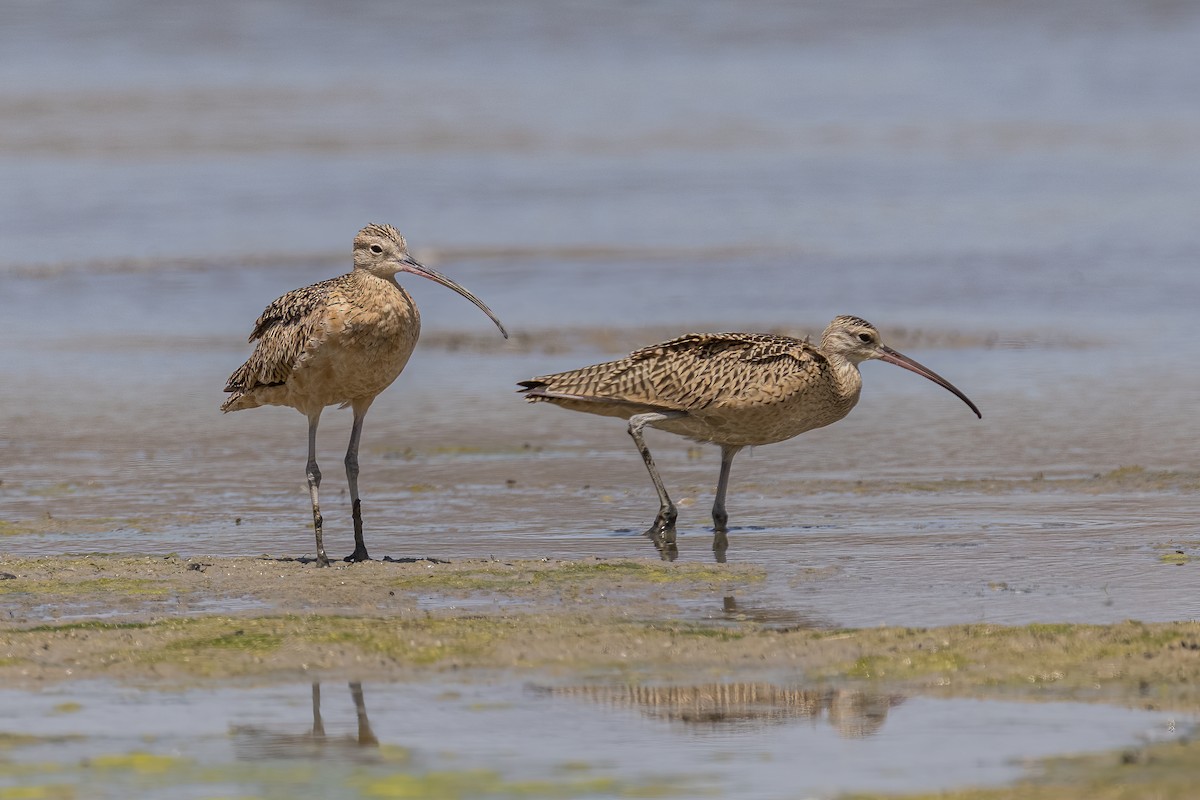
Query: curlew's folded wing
<point x="688" y="373"/>
<point x="284" y="330"/>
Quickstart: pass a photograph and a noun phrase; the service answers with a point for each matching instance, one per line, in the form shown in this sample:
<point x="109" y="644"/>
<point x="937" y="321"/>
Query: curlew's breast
<point x="359" y="350"/>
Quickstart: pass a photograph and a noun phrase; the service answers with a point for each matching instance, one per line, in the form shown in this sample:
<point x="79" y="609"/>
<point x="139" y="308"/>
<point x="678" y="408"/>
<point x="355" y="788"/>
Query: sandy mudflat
<point x="134" y="618"/>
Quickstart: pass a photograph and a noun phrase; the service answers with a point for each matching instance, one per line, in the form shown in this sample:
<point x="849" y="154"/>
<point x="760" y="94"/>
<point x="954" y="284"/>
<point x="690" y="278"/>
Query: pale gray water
<point x="261" y="742"/>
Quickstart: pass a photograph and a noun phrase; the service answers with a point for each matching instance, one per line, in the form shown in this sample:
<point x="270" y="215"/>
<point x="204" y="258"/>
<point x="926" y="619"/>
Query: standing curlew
<point x="732" y="389"/>
<point x="338" y="342"/>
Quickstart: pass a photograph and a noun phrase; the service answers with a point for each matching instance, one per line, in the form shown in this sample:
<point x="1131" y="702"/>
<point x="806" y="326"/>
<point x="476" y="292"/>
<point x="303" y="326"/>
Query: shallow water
<point x="722" y="740"/>
<point x="115" y="445"/>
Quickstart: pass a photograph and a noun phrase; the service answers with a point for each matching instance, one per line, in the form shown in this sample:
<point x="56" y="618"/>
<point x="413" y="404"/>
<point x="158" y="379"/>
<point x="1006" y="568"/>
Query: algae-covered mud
<point x="134" y="617"/>
<point x="548" y="678"/>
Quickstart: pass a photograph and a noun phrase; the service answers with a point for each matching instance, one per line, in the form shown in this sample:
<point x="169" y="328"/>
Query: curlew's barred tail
<point x="586" y="383"/>
<point x="536" y="389"/>
<point x="240" y="401"/>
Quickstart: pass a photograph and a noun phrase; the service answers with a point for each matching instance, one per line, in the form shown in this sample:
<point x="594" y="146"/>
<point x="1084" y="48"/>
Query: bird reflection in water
<point x="853" y="714"/>
<point x="253" y="742"/>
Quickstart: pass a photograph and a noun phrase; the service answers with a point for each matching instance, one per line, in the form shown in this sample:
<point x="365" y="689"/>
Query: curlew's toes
<point x="662" y="533"/>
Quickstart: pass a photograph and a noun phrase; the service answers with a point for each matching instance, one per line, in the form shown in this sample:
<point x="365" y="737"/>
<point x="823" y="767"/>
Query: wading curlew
<point x="732" y="389"/>
<point x="338" y="342"/>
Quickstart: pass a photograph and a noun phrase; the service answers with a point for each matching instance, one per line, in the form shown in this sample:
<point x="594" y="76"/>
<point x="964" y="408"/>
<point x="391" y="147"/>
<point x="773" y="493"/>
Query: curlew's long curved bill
<point x="900" y="360"/>
<point x="417" y="268"/>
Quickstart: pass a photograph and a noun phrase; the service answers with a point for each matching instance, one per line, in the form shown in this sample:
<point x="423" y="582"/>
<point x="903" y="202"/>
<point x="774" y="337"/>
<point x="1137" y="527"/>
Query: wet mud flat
<point x="244" y="656"/>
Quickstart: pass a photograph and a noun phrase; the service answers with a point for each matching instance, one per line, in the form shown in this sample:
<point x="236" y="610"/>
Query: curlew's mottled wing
<point x="689" y="373"/>
<point x="284" y="330"/>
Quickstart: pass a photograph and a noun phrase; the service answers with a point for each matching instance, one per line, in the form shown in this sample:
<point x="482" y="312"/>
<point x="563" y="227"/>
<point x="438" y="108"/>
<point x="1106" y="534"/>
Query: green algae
<point x="1162" y="771"/>
<point x="387" y="778"/>
<point x="490" y="784"/>
<point x="61" y="489"/>
<point x="1141" y="664"/>
<point x="1175" y="552"/>
<point x="89" y="625"/>
<point x="479" y="783"/>
<point x="8" y="740"/>
<point x="1150" y="665"/>
<point x="232" y="640"/>
<point x="425" y="642"/>
<point x="138" y="762"/>
<point x="105" y="586"/>
<point x="50" y="791"/>
<point x="13" y="528"/>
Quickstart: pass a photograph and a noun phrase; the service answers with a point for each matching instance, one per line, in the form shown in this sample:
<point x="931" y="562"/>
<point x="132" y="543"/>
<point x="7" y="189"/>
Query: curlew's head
<point x="856" y="340"/>
<point x="382" y="251"/>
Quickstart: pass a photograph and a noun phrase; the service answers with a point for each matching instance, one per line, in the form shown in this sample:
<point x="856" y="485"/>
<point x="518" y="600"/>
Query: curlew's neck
<point x="371" y="280"/>
<point x="847" y="380"/>
<point x="382" y="293"/>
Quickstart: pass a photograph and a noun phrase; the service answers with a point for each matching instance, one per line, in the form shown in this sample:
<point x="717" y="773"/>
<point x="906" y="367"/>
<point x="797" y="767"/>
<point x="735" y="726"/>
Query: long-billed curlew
<point x="338" y="342"/>
<point x="732" y="389"/>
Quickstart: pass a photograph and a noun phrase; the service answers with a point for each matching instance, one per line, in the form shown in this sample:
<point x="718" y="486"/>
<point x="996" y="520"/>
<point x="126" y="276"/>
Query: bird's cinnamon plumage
<point x="731" y="389"/>
<point x="341" y="342"/>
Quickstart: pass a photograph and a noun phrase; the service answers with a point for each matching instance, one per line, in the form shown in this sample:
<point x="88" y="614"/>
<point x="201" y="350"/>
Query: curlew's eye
<point x="865" y="338"/>
<point x="376" y="249"/>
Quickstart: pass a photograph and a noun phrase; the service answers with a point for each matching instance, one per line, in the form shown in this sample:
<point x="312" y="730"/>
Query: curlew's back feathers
<point x="285" y="330"/>
<point x="730" y="388"/>
<point x="688" y="373"/>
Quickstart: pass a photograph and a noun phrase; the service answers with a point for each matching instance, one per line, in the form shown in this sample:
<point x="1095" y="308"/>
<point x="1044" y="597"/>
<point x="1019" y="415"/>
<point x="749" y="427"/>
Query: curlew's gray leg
<point x="720" y="517"/>
<point x="662" y="531"/>
<point x="366" y="737"/>
<point x="360" y="546"/>
<point x="318" y="730"/>
<point x="314" y="483"/>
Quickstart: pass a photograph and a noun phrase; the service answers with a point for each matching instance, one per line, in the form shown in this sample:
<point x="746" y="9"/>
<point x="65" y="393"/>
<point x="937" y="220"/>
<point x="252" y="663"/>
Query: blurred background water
<point x="935" y="159"/>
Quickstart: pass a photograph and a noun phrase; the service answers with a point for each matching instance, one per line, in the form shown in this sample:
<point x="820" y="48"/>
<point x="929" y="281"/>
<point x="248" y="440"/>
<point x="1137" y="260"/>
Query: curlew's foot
<point x="359" y="554"/>
<point x="662" y="533"/>
<point x="662" y="530"/>
<point x="322" y="560"/>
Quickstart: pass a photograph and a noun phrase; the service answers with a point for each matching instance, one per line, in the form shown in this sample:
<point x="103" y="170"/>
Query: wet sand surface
<point x="1007" y="192"/>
